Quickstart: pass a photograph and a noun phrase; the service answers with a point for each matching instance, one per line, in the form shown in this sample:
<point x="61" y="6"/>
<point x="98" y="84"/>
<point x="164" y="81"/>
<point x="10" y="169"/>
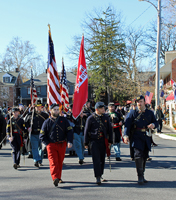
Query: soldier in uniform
<point x="55" y="133"/>
<point x="2" y="129"/>
<point x="98" y="132"/>
<point x="79" y="136"/>
<point x="141" y="121"/>
<point x="116" y="122"/>
<point x="16" y="133"/>
<point x="35" y="120"/>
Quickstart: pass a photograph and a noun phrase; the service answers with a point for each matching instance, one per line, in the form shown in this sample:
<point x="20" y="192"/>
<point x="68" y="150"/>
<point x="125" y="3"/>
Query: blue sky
<point x="28" y="20"/>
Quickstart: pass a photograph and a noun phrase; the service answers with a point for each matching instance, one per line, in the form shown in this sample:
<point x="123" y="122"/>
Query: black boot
<point x="144" y="163"/>
<point x="139" y="169"/>
<point x="98" y="181"/>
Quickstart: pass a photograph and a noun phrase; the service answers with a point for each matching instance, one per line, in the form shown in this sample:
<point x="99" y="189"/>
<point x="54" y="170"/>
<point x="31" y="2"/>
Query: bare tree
<point x="21" y="55"/>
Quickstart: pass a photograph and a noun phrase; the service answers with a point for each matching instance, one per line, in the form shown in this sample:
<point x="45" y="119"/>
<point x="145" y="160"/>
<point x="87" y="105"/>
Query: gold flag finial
<point x="62" y="59"/>
<point x="31" y="66"/>
<point x="49" y="26"/>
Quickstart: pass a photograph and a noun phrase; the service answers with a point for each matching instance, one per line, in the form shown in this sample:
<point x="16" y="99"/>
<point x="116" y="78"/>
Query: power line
<point x="139" y="15"/>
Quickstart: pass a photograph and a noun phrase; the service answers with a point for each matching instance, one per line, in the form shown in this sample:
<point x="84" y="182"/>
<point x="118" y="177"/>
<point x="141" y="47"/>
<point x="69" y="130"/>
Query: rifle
<point x="10" y="124"/>
<point x="3" y="140"/>
<point x="32" y="117"/>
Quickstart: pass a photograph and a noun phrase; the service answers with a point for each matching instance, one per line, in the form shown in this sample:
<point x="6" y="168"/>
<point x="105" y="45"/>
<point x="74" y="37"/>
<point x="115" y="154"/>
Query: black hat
<point x="15" y="109"/>
<point x="53" y="105"/>
<point x="139" y="98"/>
<point x="111" y="104"/>
<point x="99" y="105"/>
<point x="39" y="103"/>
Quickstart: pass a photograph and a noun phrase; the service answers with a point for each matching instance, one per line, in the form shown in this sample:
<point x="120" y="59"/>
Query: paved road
<point x="31" y="183"/>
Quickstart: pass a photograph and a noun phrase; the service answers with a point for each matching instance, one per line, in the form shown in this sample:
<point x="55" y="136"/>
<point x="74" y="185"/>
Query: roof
<point x="42" y="79"/>
<point x="14" y="77"/>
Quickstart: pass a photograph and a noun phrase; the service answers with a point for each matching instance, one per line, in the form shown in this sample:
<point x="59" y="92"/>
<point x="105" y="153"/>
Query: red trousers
<point x="56" y="154"/>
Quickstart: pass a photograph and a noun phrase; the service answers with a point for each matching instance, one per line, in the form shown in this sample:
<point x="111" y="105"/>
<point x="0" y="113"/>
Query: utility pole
<point x="157" y="80"/>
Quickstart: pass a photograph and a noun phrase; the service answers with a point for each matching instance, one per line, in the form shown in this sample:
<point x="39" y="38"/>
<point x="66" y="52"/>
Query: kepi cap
<point x="139" y="98"/>
<point x="99" y="105"/>
<point x="53" y="105"/>
<point x="111" y="104"/>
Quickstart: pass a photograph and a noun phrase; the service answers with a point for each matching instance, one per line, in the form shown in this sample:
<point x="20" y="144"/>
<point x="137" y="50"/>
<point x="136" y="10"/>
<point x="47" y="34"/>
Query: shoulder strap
<point x="55" y="125"/>
<point x="138" y="117"/>
<point x="100" y="121"/>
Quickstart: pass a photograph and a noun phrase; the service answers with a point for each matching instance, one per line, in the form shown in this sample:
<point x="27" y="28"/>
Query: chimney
<point x="16" y="70"/>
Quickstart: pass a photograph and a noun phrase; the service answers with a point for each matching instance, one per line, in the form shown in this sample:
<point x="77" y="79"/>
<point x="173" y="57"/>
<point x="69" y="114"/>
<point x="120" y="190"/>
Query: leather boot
<point x="144" y="163"/>
<point x="139" y="169"/>
<point x="98" y="181"/>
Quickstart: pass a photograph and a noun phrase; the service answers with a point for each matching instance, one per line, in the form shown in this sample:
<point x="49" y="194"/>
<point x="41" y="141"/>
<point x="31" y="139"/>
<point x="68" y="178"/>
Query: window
<point x="28" y="90"/>
<point x="6" y="79"/>
<point x="38" y="90"/>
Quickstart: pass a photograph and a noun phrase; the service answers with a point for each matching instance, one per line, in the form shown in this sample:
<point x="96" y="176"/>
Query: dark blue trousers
<point x="98" y="150"/>
<point x="15" y="144"/>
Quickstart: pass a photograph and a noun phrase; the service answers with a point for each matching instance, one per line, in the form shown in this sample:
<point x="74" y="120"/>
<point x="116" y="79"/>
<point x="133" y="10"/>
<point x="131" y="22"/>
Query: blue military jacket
<point x="115" y="118"/>
<point x="18" y="126"/>
<point x="139" y="138"/>
<point x="61" y="132"/>
<point x="93" y="128"/>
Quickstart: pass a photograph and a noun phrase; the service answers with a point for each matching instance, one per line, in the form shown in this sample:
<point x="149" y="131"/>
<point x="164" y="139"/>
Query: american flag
<point x="148" y="97"/>
<point x="64" y="88"/>
<point x="33" y="90"/>
<point x="53" y="85"/>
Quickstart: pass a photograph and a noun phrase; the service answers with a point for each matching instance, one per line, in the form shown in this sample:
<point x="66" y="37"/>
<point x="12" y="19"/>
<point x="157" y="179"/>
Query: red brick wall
<point x="174" y="70"/>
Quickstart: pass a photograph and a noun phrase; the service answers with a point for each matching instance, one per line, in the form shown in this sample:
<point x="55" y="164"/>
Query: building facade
<point x="40" y="83"/>
<point x="10" y="88"/>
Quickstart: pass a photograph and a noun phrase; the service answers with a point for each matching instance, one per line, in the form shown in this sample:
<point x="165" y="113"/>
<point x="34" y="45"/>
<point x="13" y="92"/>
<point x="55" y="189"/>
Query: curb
<point x="164" y="136"/>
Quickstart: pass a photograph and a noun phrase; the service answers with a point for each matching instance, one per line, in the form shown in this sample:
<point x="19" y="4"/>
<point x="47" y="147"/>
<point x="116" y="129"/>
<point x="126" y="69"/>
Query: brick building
<point x="168" y="73"/>
<point x="9" y="88"/>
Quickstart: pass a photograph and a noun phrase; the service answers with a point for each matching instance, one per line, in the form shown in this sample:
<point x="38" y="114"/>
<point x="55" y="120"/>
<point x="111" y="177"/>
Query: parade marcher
<point x="71" y="150"/>
<point x="16" y="133"/>
<point x="134" y="107"/>
<point x="139" y="124"/>
<point x="79" y="136"/>
<point x="2" y="129"/>
<point x="7" y="116"/>
<point x="55" y="133"/>
<point x="34" y="121"/>
<point x="116" y="122"/>
<point x="88" y="110"/>
<point x="98" y="132"/>
<point x="159" y="117"/>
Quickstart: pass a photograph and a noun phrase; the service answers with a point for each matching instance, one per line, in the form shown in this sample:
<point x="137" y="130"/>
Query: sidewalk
<point x="166" y="131"/>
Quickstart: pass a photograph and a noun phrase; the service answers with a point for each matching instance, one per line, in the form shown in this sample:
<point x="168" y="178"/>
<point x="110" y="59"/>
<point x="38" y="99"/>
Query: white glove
<point x="69" y="145"/>
<point x="29" y="129"/>
<point x="10" y="139"/>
